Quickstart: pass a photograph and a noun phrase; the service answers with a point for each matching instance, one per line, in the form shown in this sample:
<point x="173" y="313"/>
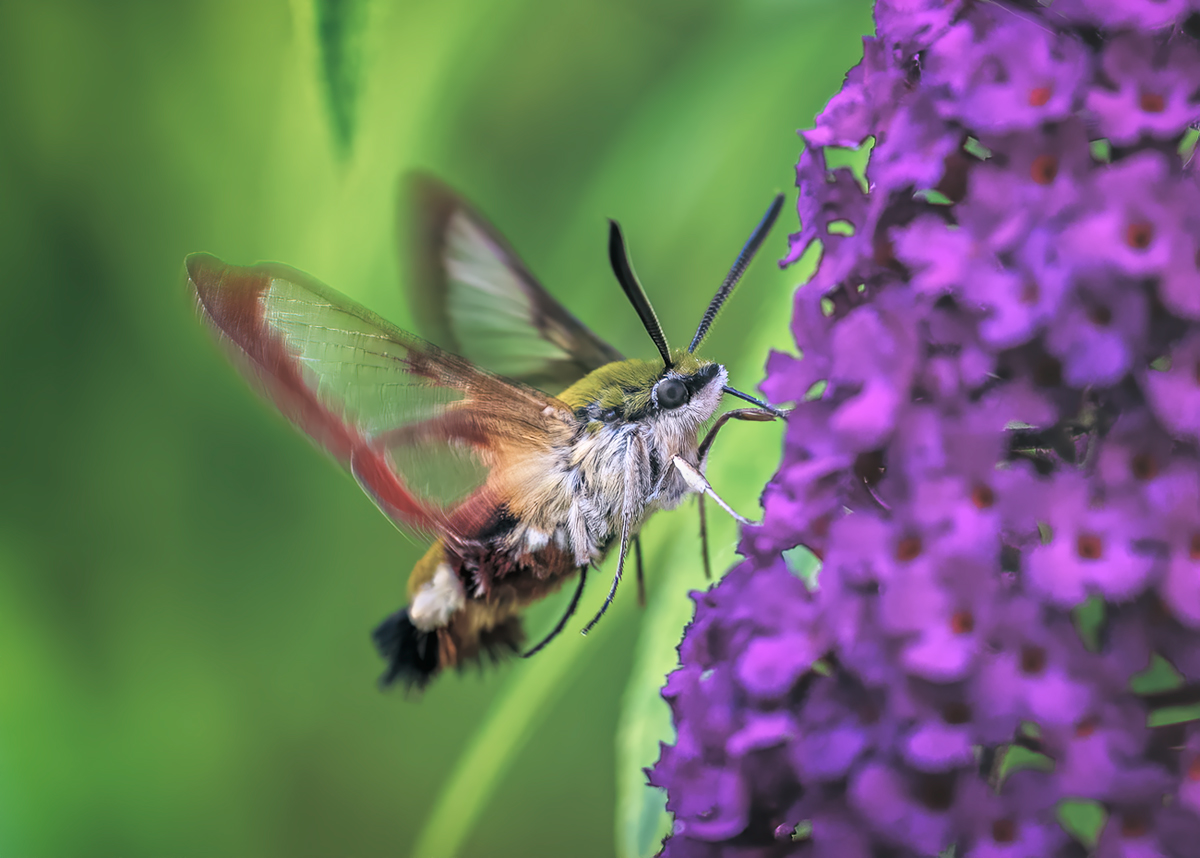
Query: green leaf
<point x="339" y="29"/>
<point x="642" y="818"/>
<point x="1159" y="676"/>
<point x="1083" y="820"/>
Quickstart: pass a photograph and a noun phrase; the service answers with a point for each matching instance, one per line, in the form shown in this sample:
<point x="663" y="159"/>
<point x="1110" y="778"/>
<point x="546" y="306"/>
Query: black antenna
<point x="739" y="268"/>
<point x="619" y="258"/>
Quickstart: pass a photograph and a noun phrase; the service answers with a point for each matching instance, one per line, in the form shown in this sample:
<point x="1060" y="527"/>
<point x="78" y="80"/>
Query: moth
<point x="520" y="489"/>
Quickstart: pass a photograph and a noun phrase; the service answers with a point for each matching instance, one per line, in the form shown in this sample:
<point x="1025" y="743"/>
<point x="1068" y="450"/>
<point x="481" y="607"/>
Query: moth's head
<point x="686" y="393"/>
<point x="683" y="387"/>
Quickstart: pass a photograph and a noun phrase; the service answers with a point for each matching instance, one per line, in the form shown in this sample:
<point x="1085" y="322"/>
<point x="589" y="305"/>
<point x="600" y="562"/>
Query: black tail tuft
<point x="411" y="654"/>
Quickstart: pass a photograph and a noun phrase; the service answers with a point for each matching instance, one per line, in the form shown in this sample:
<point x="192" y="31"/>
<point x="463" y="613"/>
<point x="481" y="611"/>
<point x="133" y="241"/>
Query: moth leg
<point x="698" y="483"/>
<point x="637" y="557"/>
<point x="612" y="591"/>
<point x="753" y="414"/>
<point x="563" y="621"/>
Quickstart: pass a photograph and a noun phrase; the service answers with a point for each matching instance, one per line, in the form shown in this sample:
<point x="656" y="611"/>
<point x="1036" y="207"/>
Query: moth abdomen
<point x="411" y="654"/>
<point x="464" y="609"/>
<point x="415" y="656"/>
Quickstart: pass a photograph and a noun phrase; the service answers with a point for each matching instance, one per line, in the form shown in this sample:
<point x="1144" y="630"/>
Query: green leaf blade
<point x="340" y="31"/>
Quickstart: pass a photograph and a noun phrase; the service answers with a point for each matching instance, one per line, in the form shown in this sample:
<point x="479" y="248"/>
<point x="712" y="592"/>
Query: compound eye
<point x="671" y="393"/>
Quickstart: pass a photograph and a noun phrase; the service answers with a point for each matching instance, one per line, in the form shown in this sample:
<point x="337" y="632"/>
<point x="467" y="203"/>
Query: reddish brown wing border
<point x="232" y="301"/>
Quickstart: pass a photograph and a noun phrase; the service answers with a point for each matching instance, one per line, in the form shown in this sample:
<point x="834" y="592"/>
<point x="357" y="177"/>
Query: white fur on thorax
<point x="604" y="477"/>
<point x="536" y="540"/>
<point x="437" y="600"/>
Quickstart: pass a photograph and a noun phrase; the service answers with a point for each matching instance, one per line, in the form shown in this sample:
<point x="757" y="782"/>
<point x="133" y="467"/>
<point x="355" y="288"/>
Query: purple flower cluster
<point x="995" y="454"/>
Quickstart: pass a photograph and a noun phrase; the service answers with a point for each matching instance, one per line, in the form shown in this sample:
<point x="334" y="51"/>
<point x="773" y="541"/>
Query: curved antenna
<point x="619" y="258"/>
<point x="739" y="268"/>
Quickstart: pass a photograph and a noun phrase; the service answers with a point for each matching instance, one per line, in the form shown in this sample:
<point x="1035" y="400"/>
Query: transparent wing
<point x="473" y="296"/>
<point x="431" y="438"/>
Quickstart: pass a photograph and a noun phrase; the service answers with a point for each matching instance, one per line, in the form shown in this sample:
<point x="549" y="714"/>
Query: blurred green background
<point x="186" y="587"/>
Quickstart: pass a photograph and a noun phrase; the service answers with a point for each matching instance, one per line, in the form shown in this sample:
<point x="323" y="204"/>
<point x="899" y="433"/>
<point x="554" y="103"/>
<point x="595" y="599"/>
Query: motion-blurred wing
<point x="427" y="435"/>
<point x="473" y="296"/>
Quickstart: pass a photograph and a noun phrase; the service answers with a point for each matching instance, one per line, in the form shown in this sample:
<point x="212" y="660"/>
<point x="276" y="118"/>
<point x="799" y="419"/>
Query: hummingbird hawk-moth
<point x="521" y="489"/>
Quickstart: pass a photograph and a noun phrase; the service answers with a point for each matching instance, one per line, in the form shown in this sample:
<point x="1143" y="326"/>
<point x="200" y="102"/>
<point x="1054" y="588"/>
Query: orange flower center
<point x="1039" y="95"/>
<point x="883" y="252"/>
<point x="1033" y="660"/>
<point x="1134" y="825"/>
<point x="1193" y="770"/>
<point x="1004" y="831"/>
<point x="982" y="496"/>
<point x="1152" y="102"/>
<point x="1144" y="466"/>
<point x="1100" y="315"/>
<point x="1089" y="546"/>
<point x="908" y="548"/>
<point x="1139" y="235"/>
<point x="956" y="713"/>
<point x="1043" y="169"/>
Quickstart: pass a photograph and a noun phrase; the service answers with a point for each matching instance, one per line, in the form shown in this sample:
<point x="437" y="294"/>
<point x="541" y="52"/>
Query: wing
<point x="473" y="296"/>
<point x="432" y="439"/>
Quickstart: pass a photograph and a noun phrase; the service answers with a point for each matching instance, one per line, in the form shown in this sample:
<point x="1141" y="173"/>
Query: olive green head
<point x="682" y="390"/>
<point x="636" y="390"/>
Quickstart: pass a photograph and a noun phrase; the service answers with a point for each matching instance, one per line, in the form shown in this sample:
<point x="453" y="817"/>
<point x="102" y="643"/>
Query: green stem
<point x="514" y="717"/>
